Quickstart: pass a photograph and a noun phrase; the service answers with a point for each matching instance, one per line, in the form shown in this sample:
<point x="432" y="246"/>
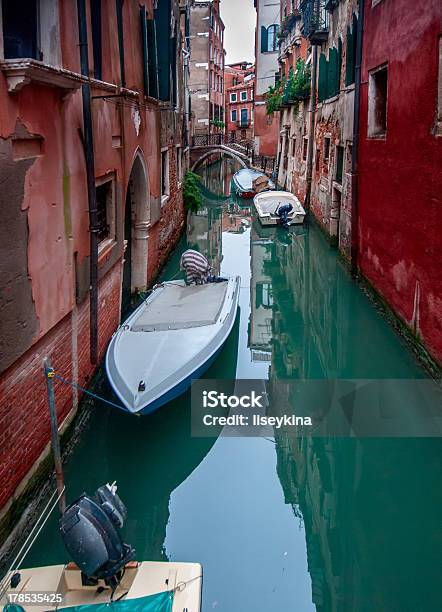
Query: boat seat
<point x="181" y="307"/>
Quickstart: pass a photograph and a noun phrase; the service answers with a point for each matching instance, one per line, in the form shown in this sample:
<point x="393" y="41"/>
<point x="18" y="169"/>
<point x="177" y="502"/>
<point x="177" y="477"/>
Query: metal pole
<point x="311" y="135"/>
<point x="355" y="145"/>
<point x="90" y="176"/>
<point x="55" y="439"/>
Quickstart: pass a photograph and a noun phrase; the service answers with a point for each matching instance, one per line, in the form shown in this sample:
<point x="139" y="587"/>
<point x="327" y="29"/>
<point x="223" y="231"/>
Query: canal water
<point x="326" y="524"/>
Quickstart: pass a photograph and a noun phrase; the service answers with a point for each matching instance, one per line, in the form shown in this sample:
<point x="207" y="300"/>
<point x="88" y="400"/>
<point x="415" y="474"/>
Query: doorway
<point x="136" y="233"/>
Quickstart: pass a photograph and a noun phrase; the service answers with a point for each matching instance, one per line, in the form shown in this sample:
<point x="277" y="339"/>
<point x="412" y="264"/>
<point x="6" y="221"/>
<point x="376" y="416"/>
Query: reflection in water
<point x="348" y="524"/>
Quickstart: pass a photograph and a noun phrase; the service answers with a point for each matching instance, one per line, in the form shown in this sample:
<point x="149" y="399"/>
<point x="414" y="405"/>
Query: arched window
<point x="269" y="38"/>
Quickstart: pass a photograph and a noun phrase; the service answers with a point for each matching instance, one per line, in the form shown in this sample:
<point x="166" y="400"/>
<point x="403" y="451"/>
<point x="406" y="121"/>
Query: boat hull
<point x="266" y="204"/>
<point x="209" y="339"/>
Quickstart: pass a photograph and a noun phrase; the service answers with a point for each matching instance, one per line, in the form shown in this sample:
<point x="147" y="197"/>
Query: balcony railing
<point x="315" y="18"/>
<point x="243" y="123"/>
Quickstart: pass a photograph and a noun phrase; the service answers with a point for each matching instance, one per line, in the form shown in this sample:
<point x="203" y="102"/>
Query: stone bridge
<point x="205" y="145"/>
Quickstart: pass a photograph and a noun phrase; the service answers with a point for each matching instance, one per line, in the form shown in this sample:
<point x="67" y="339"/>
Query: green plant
<point x="299" y="82"/>
<point x="192" y="191"/>
<point x="274" y="96"/>
<point x="218" y="123"/>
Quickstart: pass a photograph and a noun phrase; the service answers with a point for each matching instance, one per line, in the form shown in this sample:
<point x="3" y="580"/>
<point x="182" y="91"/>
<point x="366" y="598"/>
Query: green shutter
<point x="350" y="67"/>
<point x="322" y="78"/>
<point x="264" y="40"/>
<point x="153" y="58"/>
<point x="339" y="67"/>
<point x="145" y="54"/>
<point x="162" y="23"/>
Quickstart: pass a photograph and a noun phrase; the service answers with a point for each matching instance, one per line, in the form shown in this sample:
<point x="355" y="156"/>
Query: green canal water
<point x="279" y="524"/>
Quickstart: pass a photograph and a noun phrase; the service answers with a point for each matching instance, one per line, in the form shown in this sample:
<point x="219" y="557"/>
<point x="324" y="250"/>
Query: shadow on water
<point x="294" y="523"/>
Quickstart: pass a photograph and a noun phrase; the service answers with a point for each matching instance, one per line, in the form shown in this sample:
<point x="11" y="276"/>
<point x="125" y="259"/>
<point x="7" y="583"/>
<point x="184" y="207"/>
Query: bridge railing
<point x="207" y="140"/>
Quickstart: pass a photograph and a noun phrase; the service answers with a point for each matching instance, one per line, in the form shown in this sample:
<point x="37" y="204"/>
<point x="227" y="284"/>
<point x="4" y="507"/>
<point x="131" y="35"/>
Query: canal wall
<point x="139" y="156"/>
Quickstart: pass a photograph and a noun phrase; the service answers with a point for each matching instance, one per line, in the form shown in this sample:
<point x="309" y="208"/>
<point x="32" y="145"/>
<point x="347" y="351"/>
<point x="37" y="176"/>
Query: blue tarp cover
<point x="160" y="602"/>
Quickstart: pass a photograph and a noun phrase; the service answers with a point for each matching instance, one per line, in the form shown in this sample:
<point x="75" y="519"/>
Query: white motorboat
<point x="103" y="574"/>
<point x="172" y="338"/>
<point x="271" y="204"/>
<point x="149" y="585"/>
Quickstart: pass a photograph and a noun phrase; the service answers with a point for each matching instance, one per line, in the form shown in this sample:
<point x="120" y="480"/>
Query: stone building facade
<point x="133" y="86"/>
<point x="266" y="67"/>
<point x="207" y="67"/>
<point x="239" y="85"/>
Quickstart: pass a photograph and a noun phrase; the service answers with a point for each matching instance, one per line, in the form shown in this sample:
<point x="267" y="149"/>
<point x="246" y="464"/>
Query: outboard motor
<point x="283" y="212"/>
<point x="90" y="531"/>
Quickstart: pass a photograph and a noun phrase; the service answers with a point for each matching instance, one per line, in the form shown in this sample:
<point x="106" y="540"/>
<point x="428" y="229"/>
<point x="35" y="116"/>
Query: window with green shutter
<point x="264" y="40"/>
<point x="153" y="58"/>
<point x="350" y="61"/>
<point x="145" y="52"/>
<point x="162" y="24"/>
<point x="322" y="78"/>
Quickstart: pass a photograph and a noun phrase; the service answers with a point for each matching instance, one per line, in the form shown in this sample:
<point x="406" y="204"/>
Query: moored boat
<point x="247" y="182"/>
<point x="172" y="338"/>
<point x="103" y="574"/>
<point x="279" y="208"/>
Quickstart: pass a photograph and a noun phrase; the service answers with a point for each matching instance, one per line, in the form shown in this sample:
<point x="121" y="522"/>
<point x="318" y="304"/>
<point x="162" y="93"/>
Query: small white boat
<point x="172" y="338"/>
<point x="247" y="182"/>
<point x="269" y="204"/>
<point x="149" y="585"/>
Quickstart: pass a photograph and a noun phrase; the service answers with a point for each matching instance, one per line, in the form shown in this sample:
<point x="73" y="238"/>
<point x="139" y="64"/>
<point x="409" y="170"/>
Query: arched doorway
<point x="136" y="232"/>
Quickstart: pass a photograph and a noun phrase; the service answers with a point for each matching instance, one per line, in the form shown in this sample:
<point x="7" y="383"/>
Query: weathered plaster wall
<point x="400" y="231"/>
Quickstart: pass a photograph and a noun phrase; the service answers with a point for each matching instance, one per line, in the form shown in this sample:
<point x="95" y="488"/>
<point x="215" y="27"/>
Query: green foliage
<point x="291" y="90"/>
<point x="192" y="191"/>
<point x="218" y="123"/>
<point x="299" y="82"/>
<point x="274" y="96"/>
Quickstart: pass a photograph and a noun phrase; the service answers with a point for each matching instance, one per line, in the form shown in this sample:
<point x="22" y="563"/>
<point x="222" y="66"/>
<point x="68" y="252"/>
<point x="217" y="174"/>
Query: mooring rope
<point x="94" y="395"/>
<point x="15" y="565"/>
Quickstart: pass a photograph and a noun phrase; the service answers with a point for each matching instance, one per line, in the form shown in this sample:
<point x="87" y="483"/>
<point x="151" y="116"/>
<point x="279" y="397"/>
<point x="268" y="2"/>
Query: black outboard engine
<point x="283" y="212"/>
<point x="90" y="531"/>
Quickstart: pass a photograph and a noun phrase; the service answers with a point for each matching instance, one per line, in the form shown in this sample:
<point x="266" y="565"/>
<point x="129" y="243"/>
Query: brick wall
<point x="24" y="417"/>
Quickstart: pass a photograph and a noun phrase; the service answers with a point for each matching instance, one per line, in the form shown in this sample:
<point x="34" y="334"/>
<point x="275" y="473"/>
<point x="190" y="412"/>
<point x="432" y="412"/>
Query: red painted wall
<point x="52" y="194"/>
<point x="400" y="228"/>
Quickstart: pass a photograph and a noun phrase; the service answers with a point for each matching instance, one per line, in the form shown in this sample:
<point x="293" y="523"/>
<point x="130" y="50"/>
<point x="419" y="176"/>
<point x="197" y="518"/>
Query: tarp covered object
<point x="160" y="602"/>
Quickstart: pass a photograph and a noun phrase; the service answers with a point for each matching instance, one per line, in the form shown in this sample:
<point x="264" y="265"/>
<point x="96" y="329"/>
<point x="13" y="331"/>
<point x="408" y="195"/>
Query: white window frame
<point x="243" y="98"/>
<point x="236" y="115"/>
<point x="166" y="194"/>
<point x="233" y="97"/>
<point x="111" y="210"/>
<point x="179" y="164"/>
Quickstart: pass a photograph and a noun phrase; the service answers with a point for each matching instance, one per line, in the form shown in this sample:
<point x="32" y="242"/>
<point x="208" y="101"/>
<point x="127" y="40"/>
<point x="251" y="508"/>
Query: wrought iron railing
<point x="207" y="140"/>
<point x="315" y="20"/>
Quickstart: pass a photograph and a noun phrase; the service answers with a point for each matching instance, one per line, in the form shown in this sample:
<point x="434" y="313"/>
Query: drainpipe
<point x="90" y="176"/>
<point x="312" y="111"/>
<point x="355" y="148"/>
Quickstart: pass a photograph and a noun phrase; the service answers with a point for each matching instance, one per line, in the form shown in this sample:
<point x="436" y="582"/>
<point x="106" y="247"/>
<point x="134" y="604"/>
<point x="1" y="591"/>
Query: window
<point x="339" y="164"/>
<point x="377" y="102"/>
<point x="166" y="49"/>
<point x="350" y="58"/>
<point x="31" y="29"/>
<point x="179" y="163"/>
<point x="104" y="193"/>
<point x="19" y="29"/>
<point x="244" y="95"/>
<point x="305" y="149"/>
<point x="326" y="148"/>
<point x="164" y="174"/>
<point x="96" y="38"/>
<point x="233" y="97"/>
<point x="269" y="38"/>
<point x="244" y="117"/>
<point x="234" y="115"/>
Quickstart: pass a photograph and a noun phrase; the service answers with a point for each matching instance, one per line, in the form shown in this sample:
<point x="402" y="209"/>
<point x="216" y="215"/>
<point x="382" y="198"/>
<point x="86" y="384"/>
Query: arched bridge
<point x="204" y="145"/>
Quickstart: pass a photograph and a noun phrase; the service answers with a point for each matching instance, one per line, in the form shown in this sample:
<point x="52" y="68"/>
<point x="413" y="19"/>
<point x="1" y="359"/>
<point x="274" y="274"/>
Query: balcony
<point x="315" y="20"/>
<point x="243" y="124"/>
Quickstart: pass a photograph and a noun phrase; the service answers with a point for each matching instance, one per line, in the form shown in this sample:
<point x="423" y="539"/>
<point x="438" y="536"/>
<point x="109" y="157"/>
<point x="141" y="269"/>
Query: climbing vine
<point x="192" y="191"/>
